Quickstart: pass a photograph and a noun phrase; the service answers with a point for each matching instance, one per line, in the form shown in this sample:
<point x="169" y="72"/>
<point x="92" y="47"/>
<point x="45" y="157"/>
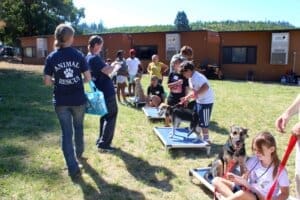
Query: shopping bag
<point x="95" y="101"/>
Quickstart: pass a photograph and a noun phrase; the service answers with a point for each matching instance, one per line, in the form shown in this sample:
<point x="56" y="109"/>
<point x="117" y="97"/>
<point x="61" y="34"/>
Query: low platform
<point x="133" y="102"/>
<point x="180" y="139"/>
<point x="152" y="113"/>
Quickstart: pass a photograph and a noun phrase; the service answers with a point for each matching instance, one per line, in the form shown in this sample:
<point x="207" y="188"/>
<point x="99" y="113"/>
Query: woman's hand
<point x="296" y="130"/>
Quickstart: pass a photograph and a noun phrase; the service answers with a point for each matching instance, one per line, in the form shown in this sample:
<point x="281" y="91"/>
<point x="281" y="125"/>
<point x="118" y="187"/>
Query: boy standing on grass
<point x="134" y="64"/>
<point x="280" y="124"/>
<point x="203" y="94"/>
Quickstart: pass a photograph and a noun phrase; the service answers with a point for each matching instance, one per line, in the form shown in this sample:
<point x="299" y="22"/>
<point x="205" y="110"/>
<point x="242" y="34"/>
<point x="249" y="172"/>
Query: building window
<point x="239" y="55"/>
<point x="29" y="52"/>
<point x="145" y="52"/>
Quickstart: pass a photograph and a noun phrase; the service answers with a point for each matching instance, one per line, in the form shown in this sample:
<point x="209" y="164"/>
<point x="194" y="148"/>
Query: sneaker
<point x="106" y="149"/>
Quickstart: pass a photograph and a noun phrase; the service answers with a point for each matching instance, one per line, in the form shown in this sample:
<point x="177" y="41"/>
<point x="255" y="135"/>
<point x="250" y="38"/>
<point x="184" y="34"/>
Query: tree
<point x="36" y="17"/>
<point x="181" y="21"/>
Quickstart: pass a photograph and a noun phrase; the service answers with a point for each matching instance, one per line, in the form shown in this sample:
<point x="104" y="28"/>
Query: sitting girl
<point x="155" y="93"/>
<point x="261" y="171"/>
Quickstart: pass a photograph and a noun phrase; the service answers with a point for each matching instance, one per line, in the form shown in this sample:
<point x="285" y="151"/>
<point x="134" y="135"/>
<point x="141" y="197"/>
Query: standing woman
<point x="100" y="74"/>
<point x="157" y="68"/>
<point x="65" y="64"/>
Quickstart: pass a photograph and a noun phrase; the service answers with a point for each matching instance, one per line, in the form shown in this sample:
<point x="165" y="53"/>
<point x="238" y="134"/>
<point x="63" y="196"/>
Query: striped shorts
<point x="204" y="112"/>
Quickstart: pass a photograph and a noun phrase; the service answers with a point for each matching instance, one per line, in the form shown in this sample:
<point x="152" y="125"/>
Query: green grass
<point x="32" y="165"/>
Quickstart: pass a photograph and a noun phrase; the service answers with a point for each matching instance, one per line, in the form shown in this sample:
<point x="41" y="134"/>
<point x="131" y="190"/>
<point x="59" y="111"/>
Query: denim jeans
<point x="108" y="123"/>
<point x="71" y="117"/>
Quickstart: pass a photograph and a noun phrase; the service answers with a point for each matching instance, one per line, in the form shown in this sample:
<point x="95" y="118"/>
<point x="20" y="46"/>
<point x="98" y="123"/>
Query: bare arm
<point x="287" y="114"/>
<point x="284" y="193"/>
<point x="48" y="80"/>
<point x="107" y="69"/>
<point x="87" y="76"/>
<point x="165" y="67"/>
<point x="294" y="107"/>
<point x="195" y="93"/>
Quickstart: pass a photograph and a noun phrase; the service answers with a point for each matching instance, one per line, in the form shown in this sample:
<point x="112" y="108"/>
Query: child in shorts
<point x="202" y="92"/>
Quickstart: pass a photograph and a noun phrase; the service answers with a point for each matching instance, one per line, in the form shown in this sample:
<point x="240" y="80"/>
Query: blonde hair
<point x="62" y="34"/>
<point x="187" y="51"/>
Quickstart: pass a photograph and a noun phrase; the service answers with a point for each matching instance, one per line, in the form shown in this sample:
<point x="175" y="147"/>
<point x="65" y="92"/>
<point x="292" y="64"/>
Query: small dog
<point x="179" y="113"/>
<point x="232" y="155"/>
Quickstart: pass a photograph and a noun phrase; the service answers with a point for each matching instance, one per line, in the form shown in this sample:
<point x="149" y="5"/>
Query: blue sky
<point x="115" y="13"/>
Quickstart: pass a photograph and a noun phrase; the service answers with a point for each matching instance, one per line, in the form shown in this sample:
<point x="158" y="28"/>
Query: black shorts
<point x="204" y="112"/>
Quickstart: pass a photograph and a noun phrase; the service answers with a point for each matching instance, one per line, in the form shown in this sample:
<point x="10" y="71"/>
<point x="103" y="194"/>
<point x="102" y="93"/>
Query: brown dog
<point x="139" y="92"/>
<point x="232" y="155"/>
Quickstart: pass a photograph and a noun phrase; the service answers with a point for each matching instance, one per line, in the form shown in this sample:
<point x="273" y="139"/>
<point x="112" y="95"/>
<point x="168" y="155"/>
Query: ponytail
<point x="62" y="34"/>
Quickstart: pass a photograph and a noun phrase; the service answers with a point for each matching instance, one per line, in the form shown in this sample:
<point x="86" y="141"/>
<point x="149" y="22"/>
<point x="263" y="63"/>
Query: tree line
<point x="19" y="18"/>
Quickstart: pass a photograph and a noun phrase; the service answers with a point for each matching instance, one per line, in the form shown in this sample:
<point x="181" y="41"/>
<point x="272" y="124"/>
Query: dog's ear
<point x="231" y="128"/>
<point x="245" y="131"/>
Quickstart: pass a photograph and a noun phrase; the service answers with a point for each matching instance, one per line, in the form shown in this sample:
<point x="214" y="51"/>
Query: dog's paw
<point x="171" y="135"/>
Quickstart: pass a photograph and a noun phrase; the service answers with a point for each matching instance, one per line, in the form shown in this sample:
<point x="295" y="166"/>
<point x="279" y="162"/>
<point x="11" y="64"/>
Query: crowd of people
<point x="64" y="68"/>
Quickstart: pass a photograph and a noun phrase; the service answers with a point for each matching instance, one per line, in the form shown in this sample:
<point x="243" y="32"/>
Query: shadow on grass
<point x="26" y="107"/>
<point x="154" y="176"/>
<point x="195" y="153"/>
<point x="214" y="126"/>
<point x="105" y="190"/>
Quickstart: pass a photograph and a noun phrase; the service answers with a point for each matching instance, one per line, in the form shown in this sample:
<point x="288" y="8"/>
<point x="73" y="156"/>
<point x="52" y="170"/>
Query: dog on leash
<point x="179" y="113"/>
<point x="233" y="154"/>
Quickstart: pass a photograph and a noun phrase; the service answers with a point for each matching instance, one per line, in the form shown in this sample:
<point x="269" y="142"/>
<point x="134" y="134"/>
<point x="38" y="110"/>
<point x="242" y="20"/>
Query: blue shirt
<point x="102" y="81"/>
<point x="66" y="65"/>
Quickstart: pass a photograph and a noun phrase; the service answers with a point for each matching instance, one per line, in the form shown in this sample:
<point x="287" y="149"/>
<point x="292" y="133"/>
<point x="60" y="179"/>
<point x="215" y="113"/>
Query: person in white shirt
<point x="281" y="123"/>
<point x="203" y="94"/>
<point x="261" y="171"/>
<point x="134" y="64"/>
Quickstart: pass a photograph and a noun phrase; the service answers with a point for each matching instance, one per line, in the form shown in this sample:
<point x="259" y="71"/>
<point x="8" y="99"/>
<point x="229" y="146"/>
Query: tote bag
<point x="95" y="101"/>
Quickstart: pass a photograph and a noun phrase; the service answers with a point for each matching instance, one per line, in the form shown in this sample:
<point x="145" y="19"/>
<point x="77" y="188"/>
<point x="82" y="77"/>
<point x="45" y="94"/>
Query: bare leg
<point x="223" y="186"/>
<point x="133" y="88"/>
<point x="123" y="93"/>
<point x="205" y="134"/>
<point x="118" y="92"/>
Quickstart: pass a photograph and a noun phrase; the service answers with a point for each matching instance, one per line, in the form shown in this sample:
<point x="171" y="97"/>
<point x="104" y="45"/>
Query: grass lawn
<point x="32" y="165"/>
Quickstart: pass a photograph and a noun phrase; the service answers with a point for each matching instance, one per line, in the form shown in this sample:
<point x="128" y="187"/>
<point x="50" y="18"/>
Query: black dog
<point x="232" y="155"/>
<point x="179" y="113"/>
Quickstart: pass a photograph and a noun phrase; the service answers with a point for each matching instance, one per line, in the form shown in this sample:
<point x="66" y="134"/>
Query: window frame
<point x="250" y="57"/>
<point x="154" y="50"/>
<point x="33" y="48"/>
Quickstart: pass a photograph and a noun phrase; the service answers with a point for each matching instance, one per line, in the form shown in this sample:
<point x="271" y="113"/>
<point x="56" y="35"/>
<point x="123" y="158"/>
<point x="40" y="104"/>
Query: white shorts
<point x="121" y="79"/>
<point x="131" y="78"/>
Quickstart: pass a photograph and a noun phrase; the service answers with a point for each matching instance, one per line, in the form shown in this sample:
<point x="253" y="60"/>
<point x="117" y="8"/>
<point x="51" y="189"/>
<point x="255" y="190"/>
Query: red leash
<point x="291" y="145"/>
<point x="230" y="168"/>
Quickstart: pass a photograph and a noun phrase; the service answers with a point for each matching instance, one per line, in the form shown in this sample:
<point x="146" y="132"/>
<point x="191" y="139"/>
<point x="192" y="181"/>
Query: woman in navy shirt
<point x="65" y="64"/>
<point x="100" y="74"/>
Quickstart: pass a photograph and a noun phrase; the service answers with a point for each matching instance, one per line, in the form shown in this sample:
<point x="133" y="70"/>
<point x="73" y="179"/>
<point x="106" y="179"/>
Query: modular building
<point x="266" y="55"/>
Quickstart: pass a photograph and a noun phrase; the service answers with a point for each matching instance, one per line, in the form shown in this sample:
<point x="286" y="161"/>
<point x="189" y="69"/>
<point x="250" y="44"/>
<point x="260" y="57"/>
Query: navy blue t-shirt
<point x="66" y="65"/>
<point x="102" y="81"/>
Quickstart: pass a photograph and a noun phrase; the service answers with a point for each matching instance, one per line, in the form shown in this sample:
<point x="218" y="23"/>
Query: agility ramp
<point x="180" y="139"/>
<point x="153" y="113"/>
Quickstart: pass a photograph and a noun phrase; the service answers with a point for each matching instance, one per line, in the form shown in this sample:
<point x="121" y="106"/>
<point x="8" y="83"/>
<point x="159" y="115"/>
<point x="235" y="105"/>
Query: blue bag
<point x="95" y="101"/>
